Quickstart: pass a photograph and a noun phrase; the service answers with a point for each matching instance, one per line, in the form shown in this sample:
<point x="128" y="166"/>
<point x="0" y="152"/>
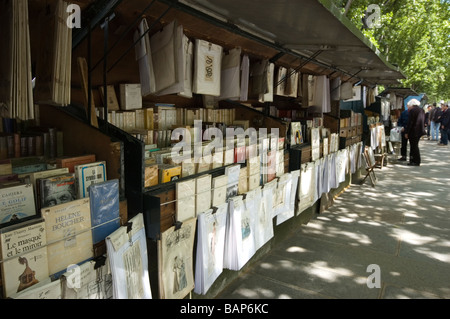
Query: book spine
<point x="3" y="148"/>
<point x="17" y="149"/>
<point x="52" y="142"/>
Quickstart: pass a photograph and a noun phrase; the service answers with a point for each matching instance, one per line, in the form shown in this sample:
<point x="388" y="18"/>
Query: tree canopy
<point x="413" y="34"/>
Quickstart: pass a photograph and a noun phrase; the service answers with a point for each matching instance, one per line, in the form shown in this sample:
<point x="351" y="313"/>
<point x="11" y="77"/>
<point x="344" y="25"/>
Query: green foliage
<point x="415" y="35"/>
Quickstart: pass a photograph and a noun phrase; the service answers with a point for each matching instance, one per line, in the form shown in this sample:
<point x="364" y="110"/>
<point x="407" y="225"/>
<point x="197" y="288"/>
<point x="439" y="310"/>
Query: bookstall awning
<point x="399" y="91"/>
<point x="311" y="28"/>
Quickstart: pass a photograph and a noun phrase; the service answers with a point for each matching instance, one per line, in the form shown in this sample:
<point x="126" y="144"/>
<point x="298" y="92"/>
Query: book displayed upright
<point x="69" y="235"/>
<point x="104" y="202"/>
<point x="24" y="255"/>
<point x="185" y="193"/>
<point x="16" y="202"/>
<point x="210" y="247"/>
<point x="175" y="258"/>
<point x="87" y="175"/>
<point x="56" y="190"/>
<point x="128" y="260"/>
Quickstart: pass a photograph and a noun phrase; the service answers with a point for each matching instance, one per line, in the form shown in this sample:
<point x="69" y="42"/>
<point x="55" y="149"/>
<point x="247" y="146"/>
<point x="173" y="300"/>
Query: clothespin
<point x="178" y="225"/>
<point x="99" y="262"/>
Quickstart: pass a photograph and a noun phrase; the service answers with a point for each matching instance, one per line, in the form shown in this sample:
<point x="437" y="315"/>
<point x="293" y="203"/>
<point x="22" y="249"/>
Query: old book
<point x="210" y="247"/>
<point x="90" y="280"/>
<point x="24" y="165"/>
<point x="69" y="235"/>
<point x="169" y="173"/>
<point x="6" y="167"/>
<point x="87" y="175"/>
<point x="46" y="289"/>
<point x="219" y="190"/>
<point x="71" y="161"/>
<point x="203" y="193"/>
<point x="185" y="196"/>
<point x="243" y="181"/>
<point x="111" y="99"/>
<point x="17" y="202"/>
<point x="56" y="190"/>
<point x="175" y="257"/>
<point x="33" y="177"/>
<point x="24" y="255"/>
<point x="232" y="172"/>
<point x="104" y="202"/>
<point x="151" y="177"/>
<point x="128" y="260"/>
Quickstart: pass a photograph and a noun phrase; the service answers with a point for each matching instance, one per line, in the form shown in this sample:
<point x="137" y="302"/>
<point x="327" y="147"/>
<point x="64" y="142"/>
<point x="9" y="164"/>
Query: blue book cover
<point x="104" y="198"/>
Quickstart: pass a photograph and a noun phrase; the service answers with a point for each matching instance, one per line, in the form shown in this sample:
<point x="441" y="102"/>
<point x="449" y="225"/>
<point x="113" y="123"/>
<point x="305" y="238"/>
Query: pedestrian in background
<point x="427" y="120"/>
<point x="414" y="131"/>
<point x="403" y="122"/>
<point x="434" y="124"/>
<point x="445" y="125"/>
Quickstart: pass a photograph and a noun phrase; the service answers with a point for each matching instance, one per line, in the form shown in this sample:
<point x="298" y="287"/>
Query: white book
<point x="185" y="194"/>
<point x="210" y="247"/>
<point x="219" y="190"/>
<point x="128" y="260"/>
<point x="203" y="193"/>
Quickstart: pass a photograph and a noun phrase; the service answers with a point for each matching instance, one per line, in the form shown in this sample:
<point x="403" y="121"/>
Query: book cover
<point x="33" y="177"/>
<point x="16" y="202"/>
<point x="71" y="162"/>
<point x="69" y="235"/>
<point x="233" y="179"/>
<point x="203" y="193"/>
<point x="46" y="289"/>
<point x="169" y="173"/>
<point x="87" y="175"/>
<point x="104" y="201"/>
<point x="175" y="255"/>
<point x="219" y="190"/>
<point x="24" y="255"/>
<point x="57" y="190"/>
<point x="185" y="193"/>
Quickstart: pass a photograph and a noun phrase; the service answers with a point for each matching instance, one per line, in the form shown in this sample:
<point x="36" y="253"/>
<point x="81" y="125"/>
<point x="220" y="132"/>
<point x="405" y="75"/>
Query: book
<point x="210" y="247"/>
<point x="296" y="133"/>
<point x="185" y="195"/>
<point x="71" y="161"/>
<point x="24" y="255"/>
<point x="128" y="261"/>
<point x="69" y="235"/>
<point x="104" y="202"/>
<point x="232" y="173"/>
<point x="16" y="203"/>
<point x="46" y="289"/>
<point x="175" y="257"/>
<point x="243" y="181"/>
<point x="87" y="175"/>
<point x="203" y="193"/>
<point x="33" y="177"/>
<point x="90" y="280"/>
<point x="151" y="177"/>
<point x="169" y="173"/>
<point x="219" y="190"/>
<point x="56" y="190"/>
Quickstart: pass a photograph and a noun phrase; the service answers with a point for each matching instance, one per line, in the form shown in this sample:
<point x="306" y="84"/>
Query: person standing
<point x="445" y="125"/>
<point x="427" y="120"/>
<point x="434" y="123"/>
<point x="403" y="122"/>
<point x="414" y="131"/>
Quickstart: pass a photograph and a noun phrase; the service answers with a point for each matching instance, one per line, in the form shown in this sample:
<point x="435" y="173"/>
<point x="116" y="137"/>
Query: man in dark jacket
<point x="403" y="122"/>
<point x="445" y="125"/>
<point x="414" y="131"/>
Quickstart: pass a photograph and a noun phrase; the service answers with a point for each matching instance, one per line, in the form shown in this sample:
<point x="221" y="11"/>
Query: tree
<point x="413" y="34"/>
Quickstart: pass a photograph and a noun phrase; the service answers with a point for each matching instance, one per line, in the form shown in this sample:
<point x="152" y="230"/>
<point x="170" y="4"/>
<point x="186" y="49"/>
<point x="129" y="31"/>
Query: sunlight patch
<point x="296" y="249"/>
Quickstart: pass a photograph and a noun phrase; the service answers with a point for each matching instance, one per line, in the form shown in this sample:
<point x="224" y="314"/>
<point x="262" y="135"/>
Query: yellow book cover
<point x="69" y="235"/>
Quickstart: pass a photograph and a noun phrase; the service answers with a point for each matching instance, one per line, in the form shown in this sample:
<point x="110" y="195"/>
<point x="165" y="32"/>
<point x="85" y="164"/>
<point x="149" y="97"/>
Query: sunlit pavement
<point x="391" y="241"/>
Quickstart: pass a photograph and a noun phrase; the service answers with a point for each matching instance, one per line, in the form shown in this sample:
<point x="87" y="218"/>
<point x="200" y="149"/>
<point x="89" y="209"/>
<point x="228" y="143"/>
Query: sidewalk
<point x="401" y="225"/>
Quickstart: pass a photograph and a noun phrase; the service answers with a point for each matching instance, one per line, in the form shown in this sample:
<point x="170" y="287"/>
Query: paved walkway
<point x="401" y="227"/>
